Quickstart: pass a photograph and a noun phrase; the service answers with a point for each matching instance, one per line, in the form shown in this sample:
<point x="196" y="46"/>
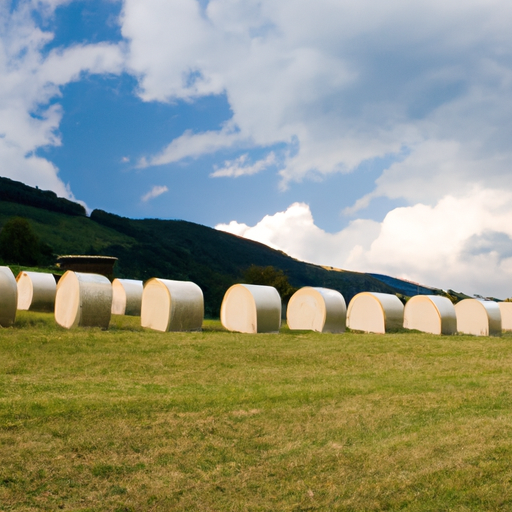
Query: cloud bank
<point x="343" y="83"/>
<point x="463" y="243"/>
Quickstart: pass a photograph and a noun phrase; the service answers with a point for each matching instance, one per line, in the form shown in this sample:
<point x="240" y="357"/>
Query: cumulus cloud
<point x="294" y="232"/>
<point x="348" y="81"/>
<point x="463" y="243"/>
<point x="156" y="191"/>
<point x="31" y="80"/>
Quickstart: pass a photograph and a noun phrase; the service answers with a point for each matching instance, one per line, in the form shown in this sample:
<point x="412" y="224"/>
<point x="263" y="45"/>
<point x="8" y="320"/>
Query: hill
<point x="172" y="249"/>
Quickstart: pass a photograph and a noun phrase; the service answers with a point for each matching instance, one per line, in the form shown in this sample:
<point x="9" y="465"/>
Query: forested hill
<point x="17" y="192"/>
<point x="172" y="249"/>
<point x="214" y="259"/>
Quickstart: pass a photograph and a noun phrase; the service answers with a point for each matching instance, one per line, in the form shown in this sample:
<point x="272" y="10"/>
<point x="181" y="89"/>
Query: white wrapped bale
<point x="83" y="300"/>
<point x="251" y="308"/>
<point x="506" y="315"/>
<point x="8" y="297"/>
<point x="375" y="312"/>
<point x="317" y="309"/>
<point x="478" y="317"/>
<point x="126" y="297"/>
<point x="430" y="313"/>
<point x="36" y="291"/>
<point x="172" y="305"/>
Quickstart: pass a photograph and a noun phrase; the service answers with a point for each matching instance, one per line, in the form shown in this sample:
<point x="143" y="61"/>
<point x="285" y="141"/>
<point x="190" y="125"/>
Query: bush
<point x="270" y="276"/>
<point x="19" y="244"/>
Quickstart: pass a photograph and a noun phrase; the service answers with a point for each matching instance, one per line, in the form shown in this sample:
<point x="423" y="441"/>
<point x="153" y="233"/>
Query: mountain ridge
<point x="171" y="249"/>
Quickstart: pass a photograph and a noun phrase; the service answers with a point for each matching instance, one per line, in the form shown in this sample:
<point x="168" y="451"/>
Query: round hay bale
<point x="126" y="297"/>
<point x="83" y="300"/>
<point x="36" y="291"/>
<point x="375" y="312"/>
<point x="506" y="315"/>
<point x="8" y="297"/>
<point x="172" y="305"/>
<point x="251" y="308"/>
<point x="430" y="313"/>
<point x="478" y="317"/>
<point x="317" y="309"/>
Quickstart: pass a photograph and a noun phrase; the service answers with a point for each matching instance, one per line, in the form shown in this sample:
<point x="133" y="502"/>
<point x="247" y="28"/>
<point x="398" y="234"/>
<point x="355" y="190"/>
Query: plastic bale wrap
<point x="430" y="313"/>
<point x="317" y="309"/>
<point x="251" y="308"/>
<point x="36" y="291"/>
<point x="375" y="312"/>
<point x="126" y="297"/>
<point x="8" y="297"/>
<point x="506" y="315"/>
<point x="478" y="317"/>
<point x="172" y="305"/>
<point x="83" y="300"/>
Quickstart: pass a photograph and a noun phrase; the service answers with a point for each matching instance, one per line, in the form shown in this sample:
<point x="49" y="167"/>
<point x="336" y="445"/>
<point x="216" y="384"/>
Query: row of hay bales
<point x="324" y="310"/>
<point x="83" y="299"/>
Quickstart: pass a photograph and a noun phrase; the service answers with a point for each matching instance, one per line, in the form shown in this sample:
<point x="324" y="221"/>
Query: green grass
<point x="65" y="233"/>
<point x="134" y="420"/>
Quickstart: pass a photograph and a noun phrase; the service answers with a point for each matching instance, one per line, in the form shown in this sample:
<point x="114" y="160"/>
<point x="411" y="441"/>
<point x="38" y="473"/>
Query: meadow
<point x="134" y="420"/>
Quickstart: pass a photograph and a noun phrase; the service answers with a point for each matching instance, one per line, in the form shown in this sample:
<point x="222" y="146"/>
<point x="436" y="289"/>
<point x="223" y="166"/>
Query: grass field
<point x="132" y="420"/>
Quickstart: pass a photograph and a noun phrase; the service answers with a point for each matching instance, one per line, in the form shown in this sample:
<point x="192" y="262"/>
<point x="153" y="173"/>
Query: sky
<point x="363" y="135"/>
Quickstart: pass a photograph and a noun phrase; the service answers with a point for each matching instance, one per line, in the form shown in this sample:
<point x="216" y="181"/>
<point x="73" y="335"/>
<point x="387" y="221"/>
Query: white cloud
<point x="242" y="167"/>
<point x="29" y="81"/>
<point x="463" y="243"/>
<point x="156" y="191"/>
<point x="294" y="232"/>
<point x="194" y="145"/>
<point x="349" y="81"/>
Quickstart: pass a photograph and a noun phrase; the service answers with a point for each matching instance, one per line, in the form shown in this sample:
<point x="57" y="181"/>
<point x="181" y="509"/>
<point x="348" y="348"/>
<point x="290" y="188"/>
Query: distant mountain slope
<point x="172" y="249"/>
<point x="214" y="259"/>
<point x="405" y="287"/>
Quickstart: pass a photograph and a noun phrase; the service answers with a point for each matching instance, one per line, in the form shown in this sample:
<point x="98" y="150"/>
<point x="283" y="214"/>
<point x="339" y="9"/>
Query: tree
<point x="18" y="242"/>
<point x="270" y="276"/>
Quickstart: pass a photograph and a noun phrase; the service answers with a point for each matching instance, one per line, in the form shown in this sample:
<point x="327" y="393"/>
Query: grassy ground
<point x="132" y="420"/>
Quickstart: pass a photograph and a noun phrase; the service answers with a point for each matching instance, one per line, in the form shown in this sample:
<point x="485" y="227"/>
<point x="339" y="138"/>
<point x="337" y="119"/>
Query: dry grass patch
<point x="134" y="420"/>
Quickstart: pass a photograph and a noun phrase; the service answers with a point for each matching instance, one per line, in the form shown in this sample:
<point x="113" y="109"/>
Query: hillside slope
<point x="172" y="249"/>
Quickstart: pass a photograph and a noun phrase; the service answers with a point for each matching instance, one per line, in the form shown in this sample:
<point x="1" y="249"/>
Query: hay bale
<point x="317" y="309"/>
<point x="506" y="315"/>
<point x="36" y="291"/>
<point x="478" y="317"/>
<point x="126" y="297"/>
<point x="172" y="305"/>
<point x="8" y="297"/>
<point x="251" y="308"/>
<point x="83" y="300"/>
<point x="375" y="312"/>
<point x="430" y="313"/>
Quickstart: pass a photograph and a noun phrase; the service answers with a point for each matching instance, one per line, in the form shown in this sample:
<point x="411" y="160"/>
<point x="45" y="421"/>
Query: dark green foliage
<point x="18" y="243"/>
<point x="455" y="296"/>
<point x="175" y="249"/>
<point x="16" y="192"/>
<point x="270" y="276"/>
<point x="215" y="260"/>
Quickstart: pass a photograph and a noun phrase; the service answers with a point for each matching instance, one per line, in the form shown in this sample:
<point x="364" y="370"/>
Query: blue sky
<point x="372" y="136"/>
